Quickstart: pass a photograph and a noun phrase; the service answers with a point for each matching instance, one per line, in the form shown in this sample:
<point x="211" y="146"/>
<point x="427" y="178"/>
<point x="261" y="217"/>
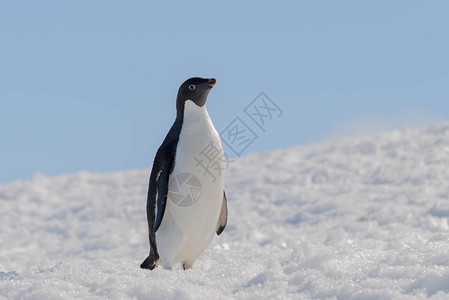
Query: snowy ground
<point x="355" y="218"/>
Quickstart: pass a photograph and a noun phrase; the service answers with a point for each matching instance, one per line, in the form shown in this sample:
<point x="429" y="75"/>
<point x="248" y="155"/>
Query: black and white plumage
<point x="181" y="233"/>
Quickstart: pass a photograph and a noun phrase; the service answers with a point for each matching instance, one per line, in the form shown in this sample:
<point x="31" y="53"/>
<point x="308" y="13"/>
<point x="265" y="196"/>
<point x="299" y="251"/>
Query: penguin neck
<point x="179" y="109"/>
<point x="195" y="118"/>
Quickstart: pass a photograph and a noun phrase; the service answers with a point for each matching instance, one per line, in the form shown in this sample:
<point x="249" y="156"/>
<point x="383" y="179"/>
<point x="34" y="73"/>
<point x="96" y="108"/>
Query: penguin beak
<point x="211" y="82"/>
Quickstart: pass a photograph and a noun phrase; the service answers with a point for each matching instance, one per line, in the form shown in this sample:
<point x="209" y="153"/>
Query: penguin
<point x="186" y="201"/>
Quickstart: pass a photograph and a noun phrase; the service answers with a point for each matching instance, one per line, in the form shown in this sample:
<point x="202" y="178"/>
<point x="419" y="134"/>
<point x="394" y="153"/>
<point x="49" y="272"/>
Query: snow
<point x="355" y="218"/>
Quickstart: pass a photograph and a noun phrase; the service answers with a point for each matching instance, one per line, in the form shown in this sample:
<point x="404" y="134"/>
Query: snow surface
<point x="354" y="218"/>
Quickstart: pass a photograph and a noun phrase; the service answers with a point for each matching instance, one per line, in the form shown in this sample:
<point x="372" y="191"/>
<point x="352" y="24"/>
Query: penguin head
<point x="195" y="89"/>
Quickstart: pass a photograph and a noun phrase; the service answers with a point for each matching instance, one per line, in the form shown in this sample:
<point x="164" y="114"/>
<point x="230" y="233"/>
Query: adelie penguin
<point x="186" y="203"/>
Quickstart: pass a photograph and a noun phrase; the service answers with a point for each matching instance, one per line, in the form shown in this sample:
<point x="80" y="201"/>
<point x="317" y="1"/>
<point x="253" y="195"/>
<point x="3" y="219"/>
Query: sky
<point x="91" y="85"/>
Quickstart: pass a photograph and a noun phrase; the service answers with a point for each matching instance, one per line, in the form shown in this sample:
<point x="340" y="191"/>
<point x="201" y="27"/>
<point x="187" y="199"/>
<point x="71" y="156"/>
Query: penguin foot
<point x="168" y="268"/>
<point x="187" y="266"/>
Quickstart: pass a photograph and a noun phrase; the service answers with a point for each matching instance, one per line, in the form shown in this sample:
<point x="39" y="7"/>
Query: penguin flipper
<point x="158" y="188"/>
<point x="223" y="218"/>
<point x="162" y="192"/>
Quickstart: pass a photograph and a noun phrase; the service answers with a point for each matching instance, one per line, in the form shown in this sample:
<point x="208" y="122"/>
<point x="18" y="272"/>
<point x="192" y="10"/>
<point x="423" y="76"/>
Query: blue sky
<point x="91" y="85"/>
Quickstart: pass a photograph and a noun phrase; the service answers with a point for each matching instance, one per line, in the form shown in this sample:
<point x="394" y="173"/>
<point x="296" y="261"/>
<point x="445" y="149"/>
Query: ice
<point x="353" y="218"/>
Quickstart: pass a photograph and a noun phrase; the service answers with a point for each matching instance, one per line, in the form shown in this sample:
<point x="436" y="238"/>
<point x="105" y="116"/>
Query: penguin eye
<point x="192" y="87"/>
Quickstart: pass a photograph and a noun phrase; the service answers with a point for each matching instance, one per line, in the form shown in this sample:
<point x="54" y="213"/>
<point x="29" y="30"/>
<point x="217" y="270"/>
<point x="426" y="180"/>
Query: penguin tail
<point x="149" y="263"/>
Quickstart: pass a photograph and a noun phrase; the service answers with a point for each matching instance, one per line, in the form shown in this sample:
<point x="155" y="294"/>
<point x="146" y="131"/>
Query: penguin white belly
<point x="195" y="191"/>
